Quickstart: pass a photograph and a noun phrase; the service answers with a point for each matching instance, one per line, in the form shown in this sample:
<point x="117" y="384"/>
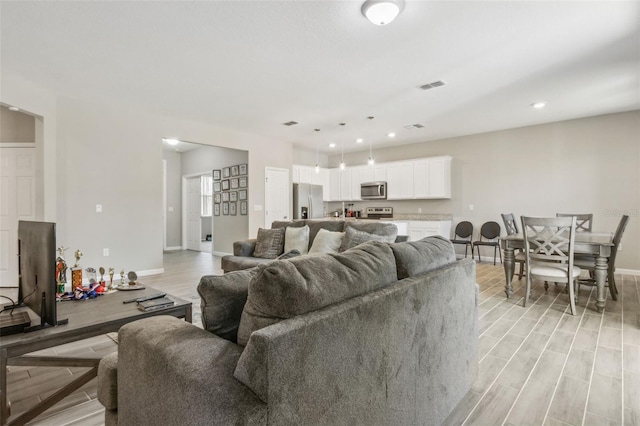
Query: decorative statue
<point x="78" y="256"/>
<point x="122" y="282"/>
<point x="111" y="271"/>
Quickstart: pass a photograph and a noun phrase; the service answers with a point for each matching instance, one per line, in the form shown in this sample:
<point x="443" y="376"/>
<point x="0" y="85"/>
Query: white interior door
<point x="17" y="202"/>
<point x="193" y="213"/>
<point x="276" y="195"/>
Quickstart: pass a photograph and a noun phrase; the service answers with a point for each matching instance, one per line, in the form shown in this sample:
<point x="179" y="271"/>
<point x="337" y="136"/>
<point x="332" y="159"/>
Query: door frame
<point x="183" y="197"/>
<point x="289" y="207"/>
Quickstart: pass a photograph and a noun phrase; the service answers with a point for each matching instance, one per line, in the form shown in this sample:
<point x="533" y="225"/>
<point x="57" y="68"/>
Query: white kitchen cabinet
<point x="335" y="177"/>
<point x="306" y="174"/>
<point x="432" y="178"/>
<point x="376" y="173"/>
<point x="400" y="180"/>
<point x="421" y="178"/>
<point x="419" y="229"/>
<point x="295" y="173"/>
<point x="345" y="184"/>
<point x="322" y="178"/>
<point x="358" y="175"/>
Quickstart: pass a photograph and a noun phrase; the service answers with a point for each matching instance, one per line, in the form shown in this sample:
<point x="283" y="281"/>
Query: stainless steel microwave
<point x="373" y="190"/>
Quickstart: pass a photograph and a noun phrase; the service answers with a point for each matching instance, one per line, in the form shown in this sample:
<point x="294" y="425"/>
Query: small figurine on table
<point x="111" y="272"/>
<point x="122" y="282"/>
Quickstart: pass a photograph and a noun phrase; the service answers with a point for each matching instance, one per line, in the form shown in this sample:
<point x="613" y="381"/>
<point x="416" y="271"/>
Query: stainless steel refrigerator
<point x="307" y="201"/>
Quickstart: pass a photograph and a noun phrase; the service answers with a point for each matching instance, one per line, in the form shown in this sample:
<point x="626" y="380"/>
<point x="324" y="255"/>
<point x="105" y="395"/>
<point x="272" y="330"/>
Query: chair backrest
<point x="617" y="237"/>
<point x="583" y="220"/>
<point x="490" y="230"/>
<point x="549" y="239"/>
<point x="510" y="224"/>
<point x="464" y="229"/>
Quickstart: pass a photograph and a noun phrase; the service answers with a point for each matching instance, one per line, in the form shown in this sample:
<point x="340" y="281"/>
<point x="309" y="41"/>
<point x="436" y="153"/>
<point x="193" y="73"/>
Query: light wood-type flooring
<point x="538" y="365"/>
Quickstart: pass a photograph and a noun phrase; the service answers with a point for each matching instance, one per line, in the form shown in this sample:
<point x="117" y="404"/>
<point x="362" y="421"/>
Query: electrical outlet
<point x="471" y="207"/>
<point x="98" y="208"/>
<point x="105" y="252"/>
<point x="419" y="209"/>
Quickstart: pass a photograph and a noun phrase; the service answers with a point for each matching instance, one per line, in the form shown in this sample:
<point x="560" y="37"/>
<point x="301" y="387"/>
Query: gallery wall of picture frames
<point x="230" y="190"/>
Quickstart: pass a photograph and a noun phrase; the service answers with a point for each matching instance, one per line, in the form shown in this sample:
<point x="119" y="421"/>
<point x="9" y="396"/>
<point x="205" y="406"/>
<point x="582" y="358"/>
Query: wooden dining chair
<point x="583" y="220"/>
<point x="463" y="234"/>
<point x="588" y="262"/>
<point x="511" y="226"/>
<point x="489" y="234"/>
<point x="549" y="248"/>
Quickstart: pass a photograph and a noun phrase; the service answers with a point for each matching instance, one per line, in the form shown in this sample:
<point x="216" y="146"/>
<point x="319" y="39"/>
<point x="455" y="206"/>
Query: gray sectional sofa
<point x="380" y="334"/>
<point x="243" y="251"/>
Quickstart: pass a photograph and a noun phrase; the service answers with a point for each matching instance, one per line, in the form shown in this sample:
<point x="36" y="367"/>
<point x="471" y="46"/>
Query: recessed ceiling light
<point x="332" y="145"/>
<point x="538" y="105"/>
<point x="171" y="141"/>
<point x="359" y="140"/>
<point x="15" y="109"/>
<point x="391" y="135"/>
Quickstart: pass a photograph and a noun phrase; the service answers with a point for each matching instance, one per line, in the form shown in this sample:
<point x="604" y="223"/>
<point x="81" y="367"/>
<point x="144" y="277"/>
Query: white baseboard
<point x="173" y="248"/>
<point x="221" y="253"/>
<point x="635" y="272"/>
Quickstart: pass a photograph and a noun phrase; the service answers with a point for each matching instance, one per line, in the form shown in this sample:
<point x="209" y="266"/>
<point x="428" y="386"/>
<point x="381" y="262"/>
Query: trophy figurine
<point x="61" y="271"/>
<point x="111" y="271"/>
<point x="101" y="270"/>
<point x="76" y="272"/>
<point x="122" y="282"/>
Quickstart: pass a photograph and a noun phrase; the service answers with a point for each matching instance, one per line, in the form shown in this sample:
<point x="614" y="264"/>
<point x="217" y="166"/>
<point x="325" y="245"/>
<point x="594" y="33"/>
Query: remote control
<point x="144" y="298"/>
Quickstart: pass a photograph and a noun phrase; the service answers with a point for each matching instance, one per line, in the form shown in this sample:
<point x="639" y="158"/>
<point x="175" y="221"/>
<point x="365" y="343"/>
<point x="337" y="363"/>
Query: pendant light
<point x="371" y="160"/>
<point x="317" y="155"/>
<point x="343" y="165"/>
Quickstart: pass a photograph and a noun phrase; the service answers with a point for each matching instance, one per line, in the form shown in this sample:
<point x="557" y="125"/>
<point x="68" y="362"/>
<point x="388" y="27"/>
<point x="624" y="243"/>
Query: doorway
<point x="276" y="195"/>
<point x="197" y="213"/>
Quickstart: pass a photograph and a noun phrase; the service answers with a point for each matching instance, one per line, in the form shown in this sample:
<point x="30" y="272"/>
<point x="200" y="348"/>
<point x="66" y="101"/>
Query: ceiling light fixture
<point x="171" y="141"/>
<point x="382" y="12"/>
<point x="332" y="145"/>
<point x="538" y="105"/>
<point x="14" y="109"/>
<point x="391" y="135"/>
<point x="359" y="140"/>
<point x="371" y="161"/>
<point x="317" y="155"/>
<point x="343" y="165"/>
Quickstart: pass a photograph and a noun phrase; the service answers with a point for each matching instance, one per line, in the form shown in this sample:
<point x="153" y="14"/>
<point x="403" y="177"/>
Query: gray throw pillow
<point x="353" y="237"/>
<point x="293" y="287"/>
<point x="417" y="257"/>
<point x="269" y="243"/>
<point x="222" y="299"/>
<point x="297" y="239"/>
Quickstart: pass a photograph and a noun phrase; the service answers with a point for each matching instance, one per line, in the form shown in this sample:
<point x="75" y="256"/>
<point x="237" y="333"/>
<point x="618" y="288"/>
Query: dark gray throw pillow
<point x="222" y="299"/>
<point x="269" y="243"/>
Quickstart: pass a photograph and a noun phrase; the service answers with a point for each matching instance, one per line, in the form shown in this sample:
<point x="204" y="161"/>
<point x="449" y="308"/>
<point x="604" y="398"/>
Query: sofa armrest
<point x="108" y="381"/>
<point x="171" y="372"/>
<point x="244" y="248"/>
<point x="402" y="239"/>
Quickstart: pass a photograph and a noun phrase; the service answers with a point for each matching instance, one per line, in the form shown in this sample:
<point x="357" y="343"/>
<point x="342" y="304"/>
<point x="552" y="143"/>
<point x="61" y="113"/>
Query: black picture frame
<point x="243" y="208"/>
<point x="225" y="209"/>
<point x="216" y="209"/>
<point x="234" y="183"/>
<point x="226" y="172"/>
<point x="233" y="196"/>
<point x="217" y="186"/>
<point x="234" y="170"/>
<point x="242" y="182"/>
<point x="217" y="174"/>
<point x="242" y="195"/>
<point x="242" y="169"/>
<point x="225" y="185"/>
<point x="233" y="209"/>
<point x="217" y="199"/>
<point x="225" y="197"/>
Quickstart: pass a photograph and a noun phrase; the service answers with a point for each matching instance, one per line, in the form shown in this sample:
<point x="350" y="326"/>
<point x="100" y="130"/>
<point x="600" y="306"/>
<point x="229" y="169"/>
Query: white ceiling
<point x="253" y="65"/>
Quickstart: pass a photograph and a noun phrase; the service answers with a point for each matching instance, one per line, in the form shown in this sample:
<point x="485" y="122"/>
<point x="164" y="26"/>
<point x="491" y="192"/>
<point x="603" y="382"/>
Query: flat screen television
<point x="37" y="271"/>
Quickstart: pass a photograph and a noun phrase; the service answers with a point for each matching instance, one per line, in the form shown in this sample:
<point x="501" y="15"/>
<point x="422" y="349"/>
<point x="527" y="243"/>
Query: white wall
<point x="589" y="165"/>
<point x="112" y="155"/>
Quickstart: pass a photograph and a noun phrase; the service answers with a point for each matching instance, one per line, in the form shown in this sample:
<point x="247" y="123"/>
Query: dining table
<point x="597" y="244"/>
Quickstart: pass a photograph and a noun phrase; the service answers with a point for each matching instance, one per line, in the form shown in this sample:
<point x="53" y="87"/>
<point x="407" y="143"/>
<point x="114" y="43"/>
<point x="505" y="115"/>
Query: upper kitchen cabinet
<point x="400" y="180"/>
<point x="308" y="174"/>
<point x="432" y="177"/>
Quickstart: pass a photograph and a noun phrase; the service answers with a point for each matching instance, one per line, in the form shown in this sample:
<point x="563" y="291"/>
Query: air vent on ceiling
<point x="414" y="126"/>
<point x="290" y="123"/>
<point x="432" y="85"/>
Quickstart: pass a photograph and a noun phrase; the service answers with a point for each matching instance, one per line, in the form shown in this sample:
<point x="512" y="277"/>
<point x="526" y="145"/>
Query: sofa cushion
<point x="353" y="237"/>
<point x="287" y="223"/>
<point x="237" y="263"/>
<point x="418" y="257"/>
<point x="388" y="230"/>
<point x="269" y="243"/>
<point x="222" y="298"/>
<point x="293" y="287"/>
<point x="296" y="238"/>
<point x="329" y="225"/>
<point x="327" y="242"/>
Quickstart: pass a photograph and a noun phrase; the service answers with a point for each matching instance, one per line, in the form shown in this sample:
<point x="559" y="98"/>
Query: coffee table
<point x="87" y="318"/>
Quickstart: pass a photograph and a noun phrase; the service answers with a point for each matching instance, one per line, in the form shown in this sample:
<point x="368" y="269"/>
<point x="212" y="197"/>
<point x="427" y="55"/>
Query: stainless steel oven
<point x="373" y="190"/>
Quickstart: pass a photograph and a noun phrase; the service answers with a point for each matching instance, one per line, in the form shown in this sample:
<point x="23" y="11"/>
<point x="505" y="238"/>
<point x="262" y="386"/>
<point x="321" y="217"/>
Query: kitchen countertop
<point x="399" y="217"/>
